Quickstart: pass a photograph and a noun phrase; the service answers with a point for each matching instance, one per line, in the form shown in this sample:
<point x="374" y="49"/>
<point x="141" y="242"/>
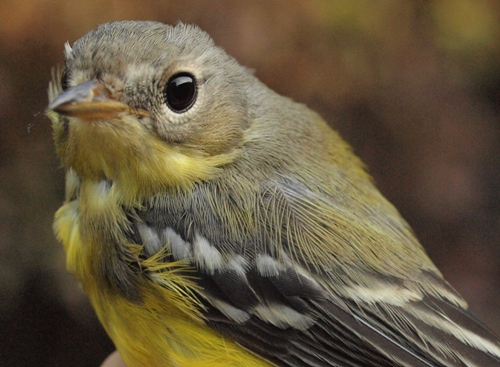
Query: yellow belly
<point x="154" y="333"/>
<point x="165" y="328"/>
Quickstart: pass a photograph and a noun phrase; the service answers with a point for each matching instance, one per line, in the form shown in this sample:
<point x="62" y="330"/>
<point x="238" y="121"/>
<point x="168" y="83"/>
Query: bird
<point x="214" y="222"/>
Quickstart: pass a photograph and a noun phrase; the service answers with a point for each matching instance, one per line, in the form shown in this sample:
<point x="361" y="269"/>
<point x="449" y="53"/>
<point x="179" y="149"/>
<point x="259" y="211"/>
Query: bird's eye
<point x="180" y="92"/>
<point x="64" y="79"/>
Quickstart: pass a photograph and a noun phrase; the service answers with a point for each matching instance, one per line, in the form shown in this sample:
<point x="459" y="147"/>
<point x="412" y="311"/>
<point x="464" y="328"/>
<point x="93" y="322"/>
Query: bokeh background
<point x="413" y="85"/>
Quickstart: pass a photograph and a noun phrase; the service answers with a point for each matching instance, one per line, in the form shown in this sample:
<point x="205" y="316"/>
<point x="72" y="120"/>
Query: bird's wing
<point x="291" y="323"/>
<point x="311" y="307"/>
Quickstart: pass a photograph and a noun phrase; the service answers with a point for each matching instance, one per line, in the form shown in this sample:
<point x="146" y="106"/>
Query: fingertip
<point x="113" y="360"/>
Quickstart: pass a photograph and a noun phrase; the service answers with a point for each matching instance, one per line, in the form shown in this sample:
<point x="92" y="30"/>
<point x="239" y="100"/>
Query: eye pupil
<point x="180" y="92"/>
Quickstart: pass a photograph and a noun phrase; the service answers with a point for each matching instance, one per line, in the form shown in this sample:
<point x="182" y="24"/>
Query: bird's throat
<point x="137" y="162"/>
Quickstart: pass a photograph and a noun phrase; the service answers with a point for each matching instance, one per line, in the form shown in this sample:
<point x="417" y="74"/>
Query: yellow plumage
<point x="212" y="222"/>
<point x="167" y="319"/>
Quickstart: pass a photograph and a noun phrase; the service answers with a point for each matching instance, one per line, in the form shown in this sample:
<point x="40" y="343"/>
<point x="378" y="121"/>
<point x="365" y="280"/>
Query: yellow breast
<point x="166" y="327"/>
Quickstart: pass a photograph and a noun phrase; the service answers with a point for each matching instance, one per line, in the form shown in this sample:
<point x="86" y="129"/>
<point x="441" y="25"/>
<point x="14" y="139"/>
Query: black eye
<point x="180" y="92"/>
<point x="64" y="79"/>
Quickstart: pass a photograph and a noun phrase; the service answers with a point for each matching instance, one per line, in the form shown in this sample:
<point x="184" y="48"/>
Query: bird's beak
<point x="90" y="100"/>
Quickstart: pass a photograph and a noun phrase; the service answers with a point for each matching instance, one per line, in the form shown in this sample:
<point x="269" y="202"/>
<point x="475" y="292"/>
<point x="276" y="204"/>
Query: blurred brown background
<point x="414" y="86"/>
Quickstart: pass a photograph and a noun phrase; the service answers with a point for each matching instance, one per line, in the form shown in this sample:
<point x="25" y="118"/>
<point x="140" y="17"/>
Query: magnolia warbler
<point x="212" y="222"/>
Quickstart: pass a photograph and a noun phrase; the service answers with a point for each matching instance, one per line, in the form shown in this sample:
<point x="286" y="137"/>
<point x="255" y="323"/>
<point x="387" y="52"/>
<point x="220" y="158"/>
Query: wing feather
<point x="322" y="305"/>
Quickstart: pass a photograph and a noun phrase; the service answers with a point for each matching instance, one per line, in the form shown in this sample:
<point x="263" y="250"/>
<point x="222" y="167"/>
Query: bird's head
<point x="149" y="103"/>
